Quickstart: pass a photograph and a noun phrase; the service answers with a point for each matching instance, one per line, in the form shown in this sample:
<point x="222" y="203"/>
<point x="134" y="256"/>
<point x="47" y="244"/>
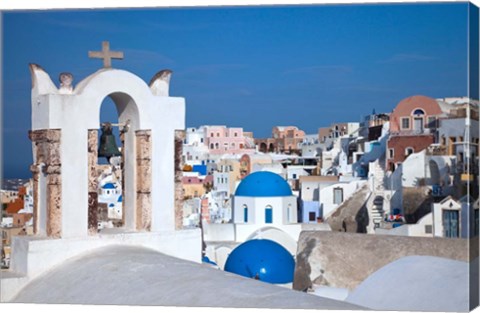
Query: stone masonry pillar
<point x="144" y="179"/>
<point x="92" y="181"/>
<point x="47" y="151"/>
<point x="179" y="194"/>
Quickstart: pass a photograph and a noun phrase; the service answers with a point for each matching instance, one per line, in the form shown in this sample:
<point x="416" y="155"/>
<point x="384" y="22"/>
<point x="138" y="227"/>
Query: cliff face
<point x="344" y="260"/>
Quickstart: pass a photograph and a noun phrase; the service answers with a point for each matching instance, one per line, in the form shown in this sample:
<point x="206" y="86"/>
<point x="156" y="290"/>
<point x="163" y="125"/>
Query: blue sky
<point x="255" y="68"/>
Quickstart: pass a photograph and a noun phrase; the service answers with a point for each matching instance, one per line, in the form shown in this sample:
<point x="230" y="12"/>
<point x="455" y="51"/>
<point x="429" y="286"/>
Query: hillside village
<point x="410" y="172"/>
<point x="357" y="215"/>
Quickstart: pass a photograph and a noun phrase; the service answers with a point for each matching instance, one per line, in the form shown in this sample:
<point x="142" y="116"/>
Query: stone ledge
<point x="344" y="260"/>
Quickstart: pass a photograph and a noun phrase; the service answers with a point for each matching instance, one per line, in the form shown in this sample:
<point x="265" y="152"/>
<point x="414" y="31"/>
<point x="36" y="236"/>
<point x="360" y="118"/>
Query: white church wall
<point x="244" y="232"/>
<point x="281" y="214"/>
<point x="287" y="237"/>
<point x="218" y="232"/>
<point x="78" y="112"/>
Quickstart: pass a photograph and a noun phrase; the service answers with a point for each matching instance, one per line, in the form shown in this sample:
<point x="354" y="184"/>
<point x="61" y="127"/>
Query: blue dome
<point x="205" y="259"/>
<point x="262" y="259"/>
<point x="108" y="186"/>
<point x="263" y="184"/>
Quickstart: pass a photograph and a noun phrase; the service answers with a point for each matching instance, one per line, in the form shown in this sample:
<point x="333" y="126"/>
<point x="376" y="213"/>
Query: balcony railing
<point x="412" y="132"/>
<point x="436" y="150"/>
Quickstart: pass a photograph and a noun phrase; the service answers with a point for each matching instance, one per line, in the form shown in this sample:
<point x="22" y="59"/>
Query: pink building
<point x="412" y="127"/>
<point x="222" y="140"/>
<point x="415" y="115"/>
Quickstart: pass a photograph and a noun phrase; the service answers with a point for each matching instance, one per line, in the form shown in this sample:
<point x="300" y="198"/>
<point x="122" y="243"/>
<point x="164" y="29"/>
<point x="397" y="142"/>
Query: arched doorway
<point x="263" y="147"/>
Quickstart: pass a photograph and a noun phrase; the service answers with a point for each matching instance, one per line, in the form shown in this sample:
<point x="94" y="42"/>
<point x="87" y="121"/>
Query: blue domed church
<point x="264" y="206"/>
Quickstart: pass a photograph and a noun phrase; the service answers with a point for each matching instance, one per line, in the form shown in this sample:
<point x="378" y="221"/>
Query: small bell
<point x="108" y="147"/>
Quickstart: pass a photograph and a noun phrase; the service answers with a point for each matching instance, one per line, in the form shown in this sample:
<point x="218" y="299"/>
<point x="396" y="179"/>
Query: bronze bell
<point x="108" y="147"/>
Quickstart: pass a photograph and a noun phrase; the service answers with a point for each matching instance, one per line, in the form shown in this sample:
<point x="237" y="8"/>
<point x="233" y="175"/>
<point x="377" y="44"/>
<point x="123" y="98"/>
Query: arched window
<point x="211" y="146"/>
<point x="408" y="151"/>
<point x="268" y="214"/>
<point x="419" y="112"/>
<point x="289" y="213"/>
<point x="245" y="213"/>
<point x="216" y="145"/>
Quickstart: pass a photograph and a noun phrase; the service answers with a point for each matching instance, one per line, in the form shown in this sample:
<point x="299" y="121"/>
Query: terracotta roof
<point x="15" y="206"/>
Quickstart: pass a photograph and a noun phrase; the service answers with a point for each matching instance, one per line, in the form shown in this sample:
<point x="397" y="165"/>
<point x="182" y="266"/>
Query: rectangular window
<point x="406" y="123"/>
<point x="432" y="122"/>
<point x="337" y="195"/>
<point x="391" y="153"/>
<point x="428" y="229"/>
<point x="311" y="216"/>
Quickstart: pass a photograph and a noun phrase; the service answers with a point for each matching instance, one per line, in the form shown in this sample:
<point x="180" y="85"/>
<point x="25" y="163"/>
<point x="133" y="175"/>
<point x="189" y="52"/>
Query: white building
<point x="455" y="218"/>
<point x="194" y="148"/>
<point x="111" y="194"/>
<point x="264" y="207"/>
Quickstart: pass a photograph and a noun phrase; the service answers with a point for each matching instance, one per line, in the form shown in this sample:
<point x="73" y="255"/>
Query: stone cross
<point x="106" y="54"/>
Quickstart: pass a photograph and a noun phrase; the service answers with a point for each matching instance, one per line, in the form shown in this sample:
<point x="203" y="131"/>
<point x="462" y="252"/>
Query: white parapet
<point x="33" y="256"/>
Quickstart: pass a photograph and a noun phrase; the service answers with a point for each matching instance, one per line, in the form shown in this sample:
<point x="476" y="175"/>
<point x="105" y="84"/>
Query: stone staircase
<point x="377" y="168"/>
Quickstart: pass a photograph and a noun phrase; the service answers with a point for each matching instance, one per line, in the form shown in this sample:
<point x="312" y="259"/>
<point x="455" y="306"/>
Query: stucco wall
<point x="415" y="230"/>
<point x="399" y="144"/>
<point x="326" y="195"/>
<point x="218" y="232"/>
<point x="344" y="260"/>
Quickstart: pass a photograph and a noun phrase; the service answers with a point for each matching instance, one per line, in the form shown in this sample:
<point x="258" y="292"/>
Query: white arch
<point x="277" y="235"/>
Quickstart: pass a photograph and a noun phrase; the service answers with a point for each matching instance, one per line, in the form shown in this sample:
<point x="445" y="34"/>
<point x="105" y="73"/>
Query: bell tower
<point x="64" y="135"/>
<point x="64" y="132"/>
